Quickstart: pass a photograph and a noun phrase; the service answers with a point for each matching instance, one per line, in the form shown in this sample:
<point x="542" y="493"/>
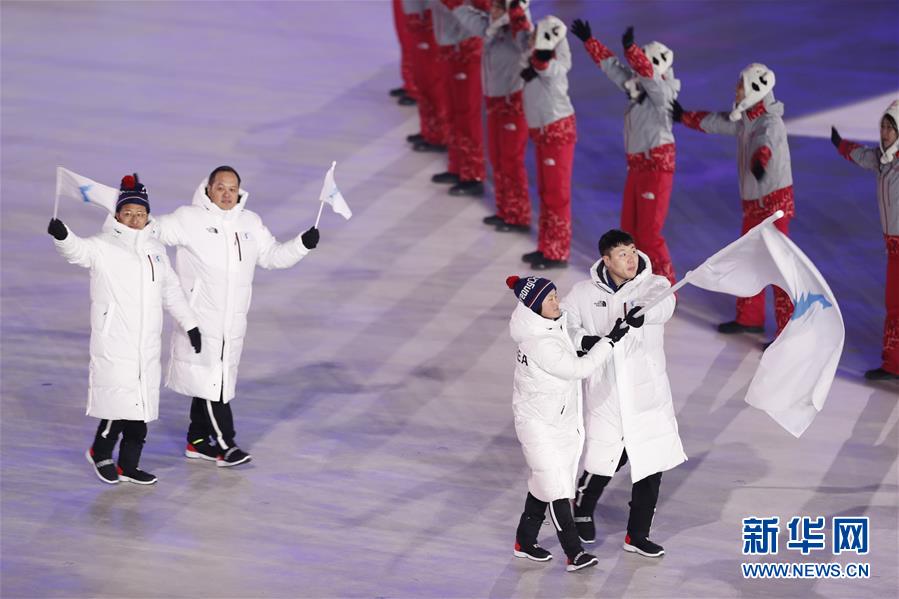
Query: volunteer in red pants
<point x="407" y="93"/>
<point x="885" y="162"/>
<point x="766" y="180"/>
<point x="649" y="82"/>
<point x="430" y="74"/>
<point x="461" y="51"/>
<point x="550" y="117"/>
<point x="507" y="131"/>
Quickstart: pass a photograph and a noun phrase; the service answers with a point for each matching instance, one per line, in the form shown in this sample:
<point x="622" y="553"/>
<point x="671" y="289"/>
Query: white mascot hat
<point x="550" y="31"/>
<point x="758" y="81"/>
<point x="660" y="56"/>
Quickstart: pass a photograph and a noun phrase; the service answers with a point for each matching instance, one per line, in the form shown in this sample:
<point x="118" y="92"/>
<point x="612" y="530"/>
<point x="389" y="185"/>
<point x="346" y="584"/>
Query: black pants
<point x="134" y="433"/>
<point x="644" y="497"/>
<point x="211" y="419"/>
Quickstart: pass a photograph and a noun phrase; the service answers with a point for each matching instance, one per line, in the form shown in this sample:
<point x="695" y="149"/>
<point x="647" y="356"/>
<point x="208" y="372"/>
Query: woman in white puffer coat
<point x="220" y="243"/>
<point x="629" y="414"/>
<point x="131" y="281"/>
<point x="548" y="422"/>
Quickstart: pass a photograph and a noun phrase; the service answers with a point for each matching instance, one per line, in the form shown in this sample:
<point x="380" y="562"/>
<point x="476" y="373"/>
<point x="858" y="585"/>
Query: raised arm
<point x="169" y="227"/>
<point x="273" y="254"/>
<point x="707" y="122"/>
<point x="74" y="249"/>
<point x="601" y="55"/>
<point x="866" y="158"/>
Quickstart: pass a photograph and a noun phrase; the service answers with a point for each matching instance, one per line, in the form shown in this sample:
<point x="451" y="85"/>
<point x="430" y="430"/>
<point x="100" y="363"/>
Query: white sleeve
<point x="173" y="298"/>
<point x="553" y="357"/>
<point x="273" y="254"/>
<point x="75" y="250"/>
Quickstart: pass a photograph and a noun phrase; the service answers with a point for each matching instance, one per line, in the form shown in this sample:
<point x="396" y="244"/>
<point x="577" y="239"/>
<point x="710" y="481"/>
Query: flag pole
<point x="729" y="246"/>
<point x="56" y="201"/>
<point x="318" y="218"/>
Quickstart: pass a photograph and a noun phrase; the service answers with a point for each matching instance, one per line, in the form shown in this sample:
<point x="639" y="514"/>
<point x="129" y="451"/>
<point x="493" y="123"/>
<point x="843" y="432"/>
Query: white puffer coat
<point x="218" y="251"/>
<point x="546" y="400"/>
<point x="131" y="281"/>
<point x="628" y="404"/>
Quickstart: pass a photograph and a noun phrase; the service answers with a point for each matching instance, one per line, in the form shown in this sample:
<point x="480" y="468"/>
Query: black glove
<point x="588" y="341"/>
<point x="310" y="238"/>
<point x="194" y="336"/>
<point x="581" y="30"/>
<point x="633" y="320"/>
<point x="627" y="40"/>
<point x="677" y="111"/>
<point x="57" y="229"/>
<point x="618" y="331"/>
<point x="835" y="138"/>
<point x="758" y="171"/>
<point x="529" y="73"/>
<point x="514" y="4"/>
<point x="543" y="55"/>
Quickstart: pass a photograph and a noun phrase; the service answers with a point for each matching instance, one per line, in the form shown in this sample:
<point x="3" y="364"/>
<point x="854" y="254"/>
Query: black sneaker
<point x="233" y="457"/>
<point x="733" y="327"/>
<point x="879" y="374"/>
<point x="136" y="476"/>
<point x="533" y="256"/>
<point x="424" y="146"/>
<point x="642" y="546"/>
<point x="586" y="529"/>
<point x="467" y="188"/>
<point x="447" y="177"/>
<point x="546" y="263"/>
<point x="582" y="560"/>
<point x="510" y="228"/>
<point x="493" y="220"/>
<point x="105" y="469"/>
<point x="396" y="92"/>
<point x="406" y="101"/>
<point x="415" y="138"/>
<point x="201" y="449"/>
<point x="534" y="552"/>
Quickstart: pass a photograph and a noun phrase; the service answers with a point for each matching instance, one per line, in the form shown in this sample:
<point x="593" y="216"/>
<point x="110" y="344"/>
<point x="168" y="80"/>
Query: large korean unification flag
<point x="81" y="189"/>
<point x="796" y="371"/>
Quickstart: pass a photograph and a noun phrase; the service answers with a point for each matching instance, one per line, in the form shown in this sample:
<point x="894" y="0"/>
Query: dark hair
<point x="222" y="169"/>
<point x="891" y="121"/>
<point x="612" y="239"/>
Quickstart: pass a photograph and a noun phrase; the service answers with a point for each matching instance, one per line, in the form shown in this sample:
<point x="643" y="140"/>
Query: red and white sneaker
<point x="643" y="547"/>
<point x="582" y="560"/>
<point x="534" y="552"/>
<point x="201" y="450"/>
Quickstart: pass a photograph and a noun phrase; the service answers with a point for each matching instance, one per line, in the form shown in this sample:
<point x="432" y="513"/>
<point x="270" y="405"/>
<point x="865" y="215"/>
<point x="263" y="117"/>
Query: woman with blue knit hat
<point x="131" y="281"/>
<point x="546" y="403"/>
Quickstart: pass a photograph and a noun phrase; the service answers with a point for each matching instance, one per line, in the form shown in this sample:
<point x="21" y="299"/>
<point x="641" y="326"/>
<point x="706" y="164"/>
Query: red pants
<point x="891" y="324"/>
<point x="466" y="133"/>
<point x="643" y="213"/>
<point x="430" y="73"/>
<point x="555" y="157"/>
<point x="507" y="139"/>
<point x="751" y="310"/>
<point x="407" y="49"/>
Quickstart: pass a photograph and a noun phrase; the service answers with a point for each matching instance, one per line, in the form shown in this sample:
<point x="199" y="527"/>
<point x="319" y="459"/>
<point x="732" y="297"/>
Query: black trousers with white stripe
<point x="211" y="419"/>
<point x="133" y="432"/>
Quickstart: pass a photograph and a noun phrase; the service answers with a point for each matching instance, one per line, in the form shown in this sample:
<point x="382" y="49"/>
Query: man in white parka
<point x="546" y="402"/>
<point x="629" y="414"/>
<point x="131" y="281"/>
<point x="220" y="243"/>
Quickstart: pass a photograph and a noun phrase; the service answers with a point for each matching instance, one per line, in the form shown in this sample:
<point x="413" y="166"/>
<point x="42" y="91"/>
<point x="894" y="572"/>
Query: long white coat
<point x="546" y="400"/>
<point x="218" y="251"/>
<point x="628" y="404"/>
<point x="131" y="281"/>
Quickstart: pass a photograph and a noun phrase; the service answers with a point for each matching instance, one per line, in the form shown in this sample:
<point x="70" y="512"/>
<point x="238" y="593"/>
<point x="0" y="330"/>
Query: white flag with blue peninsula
<point x="797" y="370"/>
<point x="332" y="196"/>
<point x="73" y="186"/>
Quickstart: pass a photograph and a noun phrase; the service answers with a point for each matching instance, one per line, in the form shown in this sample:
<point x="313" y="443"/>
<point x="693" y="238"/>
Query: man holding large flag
<point x="220" y="243"/>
